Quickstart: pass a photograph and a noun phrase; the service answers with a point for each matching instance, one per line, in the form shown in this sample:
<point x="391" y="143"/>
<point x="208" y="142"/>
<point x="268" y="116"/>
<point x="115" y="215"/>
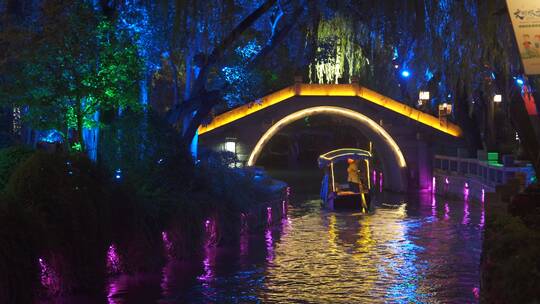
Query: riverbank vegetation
<point x="95" y="180"/>
<point x="510" y="267"/>
<point x="62" y="215"/>
<point x="65" y="217"/>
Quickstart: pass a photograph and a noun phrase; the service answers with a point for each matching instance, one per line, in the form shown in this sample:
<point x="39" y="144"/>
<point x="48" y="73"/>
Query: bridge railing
<point x="332" y="90"/>
<point x="489" y="173"/>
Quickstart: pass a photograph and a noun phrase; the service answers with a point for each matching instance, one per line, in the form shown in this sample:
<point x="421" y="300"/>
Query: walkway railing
<point x="488" y="172"/>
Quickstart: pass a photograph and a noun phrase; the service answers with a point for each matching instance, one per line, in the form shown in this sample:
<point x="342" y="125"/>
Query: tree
<point x="201" y="99"/>
<point x="208" y="56"/>
<point x="66" y="67"/>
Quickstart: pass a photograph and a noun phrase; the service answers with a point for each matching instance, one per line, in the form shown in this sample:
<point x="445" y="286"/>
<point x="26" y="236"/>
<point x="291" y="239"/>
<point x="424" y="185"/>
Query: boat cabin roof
<point x="342" y="154"/>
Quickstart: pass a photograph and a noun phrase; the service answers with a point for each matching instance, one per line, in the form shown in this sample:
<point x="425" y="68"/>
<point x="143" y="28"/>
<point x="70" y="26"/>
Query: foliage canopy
<point x="78" y="64"/>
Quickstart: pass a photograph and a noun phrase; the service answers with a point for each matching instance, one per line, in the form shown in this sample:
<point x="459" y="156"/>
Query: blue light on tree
<point x="519" y="82"/>
<point x="428" y="74"/>
<point x="233" y="74"/>
<point x="51" y="136"/>
<point x="405" y="73"/>
<point x="396" y="54"/>
<point x="249" y="51"/>
<point x="118" y="174"/>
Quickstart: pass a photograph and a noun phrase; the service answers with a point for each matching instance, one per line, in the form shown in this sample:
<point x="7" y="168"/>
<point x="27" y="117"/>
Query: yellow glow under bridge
<point x="331" y="90"/>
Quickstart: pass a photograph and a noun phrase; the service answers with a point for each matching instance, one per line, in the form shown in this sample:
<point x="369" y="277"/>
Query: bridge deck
<point x="341" y="90"/>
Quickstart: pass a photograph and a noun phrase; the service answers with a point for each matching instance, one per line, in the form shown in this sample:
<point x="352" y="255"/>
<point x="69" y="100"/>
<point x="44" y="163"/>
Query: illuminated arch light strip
<point x="326" y="110"/>
<point x="366" y="153"/>
<point x="340" y="155"/>
<point x="332" y="90"/>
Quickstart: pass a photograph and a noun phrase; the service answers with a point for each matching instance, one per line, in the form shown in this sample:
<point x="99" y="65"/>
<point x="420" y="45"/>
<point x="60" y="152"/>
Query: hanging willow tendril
<point x="339" y="55"/>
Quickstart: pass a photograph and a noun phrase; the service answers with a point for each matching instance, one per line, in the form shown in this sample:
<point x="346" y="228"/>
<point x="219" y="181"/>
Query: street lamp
<point x="444" y="111"/>
<point x="230" y="146"/>
<point x="497" y="98"/>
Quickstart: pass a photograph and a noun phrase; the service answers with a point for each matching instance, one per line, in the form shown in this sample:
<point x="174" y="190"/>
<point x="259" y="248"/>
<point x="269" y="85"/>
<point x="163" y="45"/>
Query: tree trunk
<point x="196" y="121"/>
<point x="191" y="74"/>
<point x="143" y="84"/>
<point x="79" y="114"/>
<point x="277" y="38"/>
<point x="219" y="51"/>
<point x="174" y="72"/>
<point x="91" y="139"/>
<point x="203" y="106"/>
<point x="469" y="125"/>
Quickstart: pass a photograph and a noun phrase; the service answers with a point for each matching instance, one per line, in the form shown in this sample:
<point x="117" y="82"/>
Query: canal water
<point x="409" y="249"/>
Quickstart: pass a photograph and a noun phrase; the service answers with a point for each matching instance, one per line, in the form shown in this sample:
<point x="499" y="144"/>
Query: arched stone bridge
<point x="403" y="137"/>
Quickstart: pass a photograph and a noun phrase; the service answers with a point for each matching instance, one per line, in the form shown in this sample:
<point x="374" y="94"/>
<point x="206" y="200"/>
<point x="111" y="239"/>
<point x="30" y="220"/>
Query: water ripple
<point x="419" y="250"/>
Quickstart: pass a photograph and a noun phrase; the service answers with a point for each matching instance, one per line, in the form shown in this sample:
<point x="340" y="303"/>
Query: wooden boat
<point x="337" y="196"/>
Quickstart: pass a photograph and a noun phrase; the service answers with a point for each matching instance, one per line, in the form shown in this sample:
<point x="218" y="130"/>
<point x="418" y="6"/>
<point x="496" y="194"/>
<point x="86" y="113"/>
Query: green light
<point x="77" y="147"/>
<point x="493" y="158"/>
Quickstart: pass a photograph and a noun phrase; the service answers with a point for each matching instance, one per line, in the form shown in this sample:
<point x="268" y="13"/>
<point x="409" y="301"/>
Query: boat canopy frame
<point x="326" y="162"/>
<point x="343" y="154"/>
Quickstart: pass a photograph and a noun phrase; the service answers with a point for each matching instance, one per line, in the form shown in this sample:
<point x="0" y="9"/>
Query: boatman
<point x="355" y="184"/>
<point x="353" y="176"/>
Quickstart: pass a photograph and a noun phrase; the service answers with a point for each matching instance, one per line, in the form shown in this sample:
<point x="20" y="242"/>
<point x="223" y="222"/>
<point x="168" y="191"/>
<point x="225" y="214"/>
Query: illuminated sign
<point x="424" y="95"/>
<point x="525" y="16"/>
<point x="528" y="99"/>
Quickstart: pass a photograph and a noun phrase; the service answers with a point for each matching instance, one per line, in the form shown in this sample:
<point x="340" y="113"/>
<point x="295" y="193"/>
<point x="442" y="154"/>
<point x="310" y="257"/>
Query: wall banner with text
<point x="525" y="15"/>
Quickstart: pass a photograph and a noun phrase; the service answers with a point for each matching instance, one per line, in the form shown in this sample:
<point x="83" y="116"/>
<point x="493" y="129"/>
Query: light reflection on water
<point x="409" y="250"/>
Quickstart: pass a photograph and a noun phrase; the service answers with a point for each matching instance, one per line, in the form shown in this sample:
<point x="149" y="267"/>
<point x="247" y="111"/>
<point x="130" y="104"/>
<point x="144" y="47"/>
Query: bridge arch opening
<point x="393" y="161"/>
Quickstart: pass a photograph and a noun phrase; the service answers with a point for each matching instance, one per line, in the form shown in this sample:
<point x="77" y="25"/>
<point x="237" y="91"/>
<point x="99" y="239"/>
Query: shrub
<point x="526" y="206"/>
<point x="67" y="200"/>
<point x="10" y="158"/>
<point x="235" y="189"/>
<point x="155" y="162"/>
<point x="511" y="262"/>
<point x="232" y="191"/>
<point x="18" y="260"/>
<point x="135" y="230"/>
<point x="154" y="193"/>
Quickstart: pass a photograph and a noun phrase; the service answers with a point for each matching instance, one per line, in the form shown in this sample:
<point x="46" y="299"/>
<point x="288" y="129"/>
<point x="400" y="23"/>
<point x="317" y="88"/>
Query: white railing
<point x="489" y="174"/>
